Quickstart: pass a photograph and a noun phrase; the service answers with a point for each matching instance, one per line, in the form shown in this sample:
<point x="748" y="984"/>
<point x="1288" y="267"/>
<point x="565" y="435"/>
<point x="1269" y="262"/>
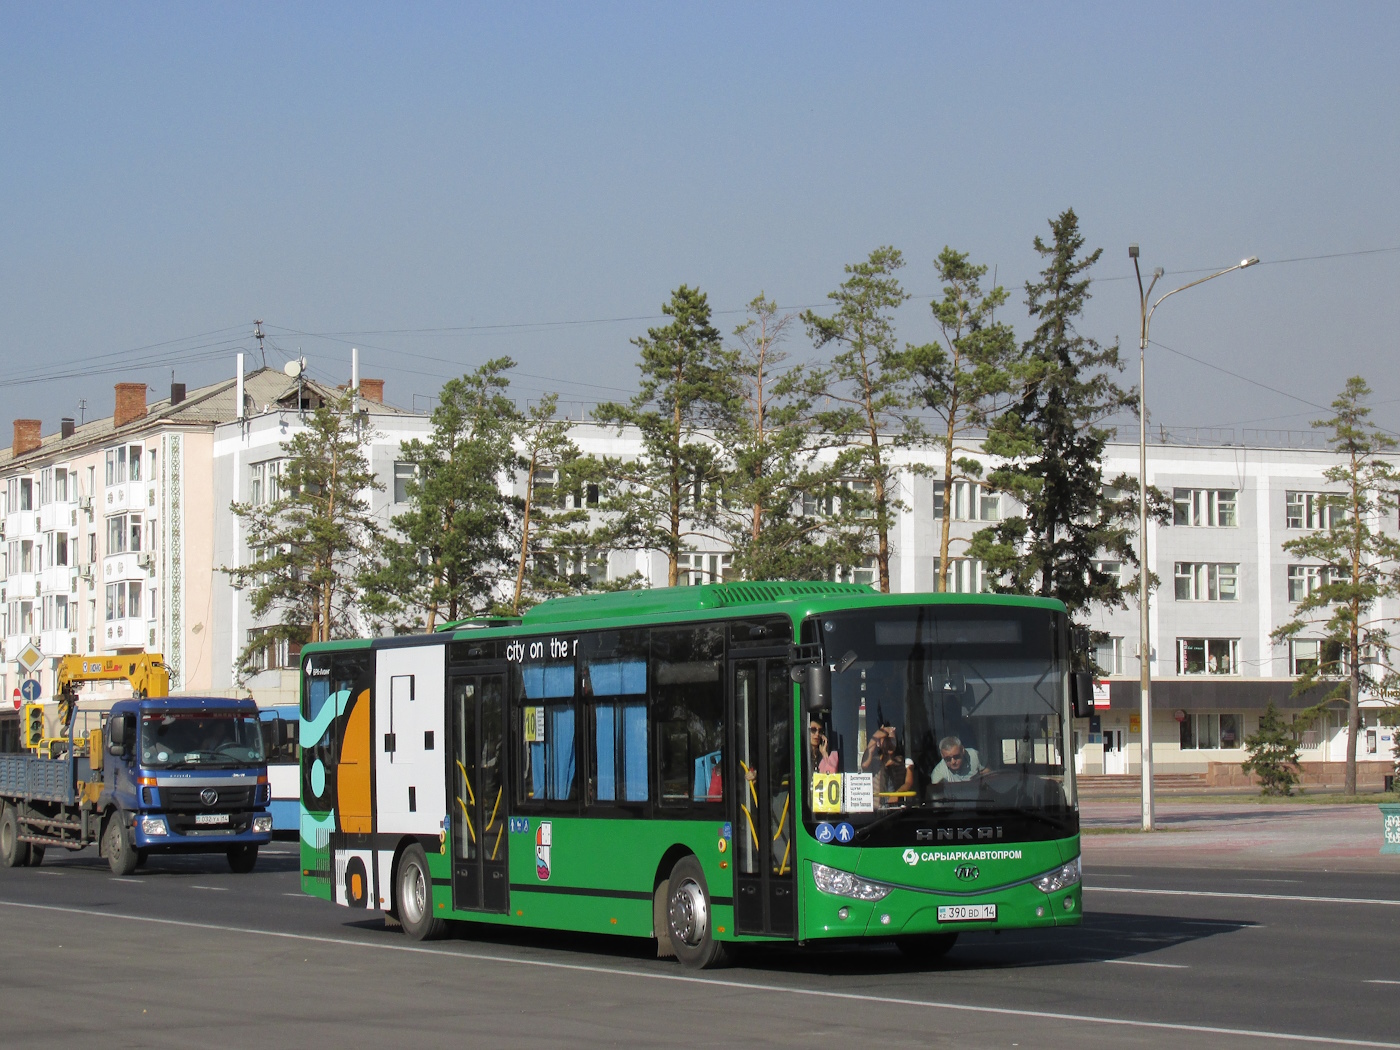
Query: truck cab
<point x="183" y="775"/>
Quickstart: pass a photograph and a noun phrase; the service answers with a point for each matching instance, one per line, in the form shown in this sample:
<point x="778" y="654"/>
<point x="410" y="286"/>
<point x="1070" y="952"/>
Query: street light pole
<point x="1144" y="642"/>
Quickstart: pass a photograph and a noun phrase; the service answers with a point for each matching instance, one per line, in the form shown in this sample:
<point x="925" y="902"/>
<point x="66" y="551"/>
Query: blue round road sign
<point x="30" y="689"/>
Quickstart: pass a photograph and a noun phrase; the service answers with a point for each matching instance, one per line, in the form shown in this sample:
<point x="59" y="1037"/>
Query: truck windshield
<point x="940" y="712"/>
<point x="185" y="739"/>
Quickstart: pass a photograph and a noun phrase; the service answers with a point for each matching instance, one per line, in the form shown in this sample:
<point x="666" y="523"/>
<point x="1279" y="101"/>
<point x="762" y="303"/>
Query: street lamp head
<point x="1244" y="263"/>
<point x="1132" y="251"/>
<point x="1158" y="273"/>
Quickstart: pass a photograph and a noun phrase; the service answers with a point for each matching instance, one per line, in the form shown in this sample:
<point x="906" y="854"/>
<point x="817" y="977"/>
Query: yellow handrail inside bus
<point x="492" y="822"/>
<point x="466" y="818"/>
<point x="467" y="781"/>
<point x="782" y="820"/>
<point x="497" y="845"/>
<point x="753" y="832"/>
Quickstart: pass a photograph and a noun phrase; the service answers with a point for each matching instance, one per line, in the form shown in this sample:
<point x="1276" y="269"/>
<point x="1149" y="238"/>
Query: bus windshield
<point x="190" y="739"/>
<point x="939" y="711"/>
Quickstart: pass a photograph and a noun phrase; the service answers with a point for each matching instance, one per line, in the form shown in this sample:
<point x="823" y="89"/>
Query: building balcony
<point x="130" y="633"/>
<point x="131" y="495"/>
<point x="133" y="565"/>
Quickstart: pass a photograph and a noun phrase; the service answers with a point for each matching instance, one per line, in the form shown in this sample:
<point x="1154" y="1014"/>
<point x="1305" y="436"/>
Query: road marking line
<point x="1380" y="982"/>
<point x="216" y="889"/>
<point x="116" y="879"/>
<point x="1139" y="962"/>
<point x="682" y="978"/>
<point x="1244" y="896"/>
<point x="41" y="871"/>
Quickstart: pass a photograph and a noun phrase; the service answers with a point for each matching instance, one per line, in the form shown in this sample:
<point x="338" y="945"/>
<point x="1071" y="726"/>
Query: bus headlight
<point x="261" y="824"/>
<point x="1063" y="876"/>
<point x="154" y="826"/>
<point x="844" y="884"/>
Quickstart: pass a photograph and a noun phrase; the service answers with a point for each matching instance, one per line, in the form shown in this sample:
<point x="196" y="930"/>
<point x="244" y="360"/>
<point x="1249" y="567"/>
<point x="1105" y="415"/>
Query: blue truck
<point x="153" y="775"/>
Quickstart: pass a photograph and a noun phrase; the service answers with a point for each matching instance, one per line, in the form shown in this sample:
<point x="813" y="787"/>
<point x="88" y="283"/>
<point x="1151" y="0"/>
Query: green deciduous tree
<point x="452" y="554"/>
<point x="967" y="379"/>
<point x="776" y="490"/>
<point x="1360" y="562"/>
<point x="1052" y="443"/>
<point x="1273" y="754"/>
<point x="871" y="393"/>
<point x="666" y="497"/>
<point x="309" y="544"/>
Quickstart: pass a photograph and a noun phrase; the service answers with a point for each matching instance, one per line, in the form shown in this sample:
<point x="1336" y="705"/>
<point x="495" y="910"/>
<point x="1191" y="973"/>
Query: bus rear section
<point x="708" y="775"/>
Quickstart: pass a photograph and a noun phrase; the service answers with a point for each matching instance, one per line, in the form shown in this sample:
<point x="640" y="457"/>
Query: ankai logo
<point x="911" y="857"/>
<point x="967" y="872"/>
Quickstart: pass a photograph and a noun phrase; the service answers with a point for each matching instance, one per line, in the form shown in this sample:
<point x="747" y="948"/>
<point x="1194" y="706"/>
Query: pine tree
<point x="308" y="545"/>
<point x="779" y="511"/>
<point x="1052" y="443"/>
<point x="1273" y="754"/>
<point x="557" y="551"/>
<point x="1357" y="563"/>
<point x="871" y="392"/>
<point x="666" y="497"/>
<point x="451" y="554"/>
<point x="965" y="381"/>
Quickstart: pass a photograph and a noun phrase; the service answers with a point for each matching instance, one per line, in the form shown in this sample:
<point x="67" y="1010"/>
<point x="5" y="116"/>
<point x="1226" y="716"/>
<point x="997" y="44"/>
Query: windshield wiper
<point x="864" y="830"/>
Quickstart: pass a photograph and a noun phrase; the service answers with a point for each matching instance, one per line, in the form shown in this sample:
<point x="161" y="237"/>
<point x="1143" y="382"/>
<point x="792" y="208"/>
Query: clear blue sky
<point x="348" y="172"/>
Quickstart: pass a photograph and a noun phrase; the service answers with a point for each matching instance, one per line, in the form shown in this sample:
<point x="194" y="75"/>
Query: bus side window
<point x="688" y="712"/>
<point x="547" y="766"/>
<point x="615" y="684"/>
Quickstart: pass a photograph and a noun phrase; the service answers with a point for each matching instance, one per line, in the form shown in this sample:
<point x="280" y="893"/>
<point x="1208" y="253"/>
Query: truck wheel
<point x="13" y="852"/>
<point x="242" y="859"/>
<point x="142" y="855"/>
<point x="121" y="857"/>
<point x="413" y="896"/>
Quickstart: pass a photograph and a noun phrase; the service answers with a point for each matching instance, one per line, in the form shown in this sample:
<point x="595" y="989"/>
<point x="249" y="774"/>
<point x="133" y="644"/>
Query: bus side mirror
<point x="1081" y="693"/>
<point x="816" y="686"/>
<point x="1080" y="639"/>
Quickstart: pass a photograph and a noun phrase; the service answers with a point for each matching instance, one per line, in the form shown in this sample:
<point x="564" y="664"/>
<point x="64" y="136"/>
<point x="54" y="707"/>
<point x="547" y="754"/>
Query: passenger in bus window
<point x="958" y="763"/>
<point x="894" y="772"/>
<point x="824" y="760"/>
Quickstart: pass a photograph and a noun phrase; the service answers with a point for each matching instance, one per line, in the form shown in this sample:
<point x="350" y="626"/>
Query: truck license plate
<point x="966" y="912"/>
<point x="222" y="818"/>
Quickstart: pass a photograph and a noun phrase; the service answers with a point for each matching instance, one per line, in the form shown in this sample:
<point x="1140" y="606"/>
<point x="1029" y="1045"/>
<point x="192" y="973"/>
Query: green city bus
<point x="707" y="766"/>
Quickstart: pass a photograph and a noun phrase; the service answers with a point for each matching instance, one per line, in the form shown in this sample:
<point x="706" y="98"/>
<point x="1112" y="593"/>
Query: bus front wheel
<point x="413" y="896"/>
<point x="690" y="917"/>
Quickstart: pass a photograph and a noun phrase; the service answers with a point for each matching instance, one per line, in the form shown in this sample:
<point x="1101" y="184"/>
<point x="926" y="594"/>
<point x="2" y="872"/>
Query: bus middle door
<point x="479" y="843"/>
<point x="764" y="891"/>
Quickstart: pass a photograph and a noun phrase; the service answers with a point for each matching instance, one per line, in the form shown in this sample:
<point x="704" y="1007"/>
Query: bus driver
<point x="959" y="763"/>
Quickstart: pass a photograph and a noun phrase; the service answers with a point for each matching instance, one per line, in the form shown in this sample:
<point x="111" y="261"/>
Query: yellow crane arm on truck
<point x="146" y="672"/>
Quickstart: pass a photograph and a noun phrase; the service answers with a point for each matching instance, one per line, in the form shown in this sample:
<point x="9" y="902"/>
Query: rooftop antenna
<point x="258" y="335"/>
<point x="82" y="411"/>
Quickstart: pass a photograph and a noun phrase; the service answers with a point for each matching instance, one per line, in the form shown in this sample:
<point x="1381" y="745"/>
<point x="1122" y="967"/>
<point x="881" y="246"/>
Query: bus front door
<point x="479" y="875"/>
<point x="764" y="893"/>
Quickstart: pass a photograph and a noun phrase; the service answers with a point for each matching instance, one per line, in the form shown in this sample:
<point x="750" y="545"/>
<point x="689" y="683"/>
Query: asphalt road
<point x="186" y="954"/>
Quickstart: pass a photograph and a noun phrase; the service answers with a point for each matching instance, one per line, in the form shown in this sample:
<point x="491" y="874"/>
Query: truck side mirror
<point x="117" y="735"/>
<point x="1081" y="693"/>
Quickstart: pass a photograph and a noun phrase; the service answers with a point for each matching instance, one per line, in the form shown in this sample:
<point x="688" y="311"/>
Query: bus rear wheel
<point x="690" y="918"/>
<point x="927" y="948"/>
<point x="413" y="896"/>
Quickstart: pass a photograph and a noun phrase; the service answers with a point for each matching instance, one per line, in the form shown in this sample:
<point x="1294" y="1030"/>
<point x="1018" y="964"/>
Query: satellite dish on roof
<point x="295" y="368"/>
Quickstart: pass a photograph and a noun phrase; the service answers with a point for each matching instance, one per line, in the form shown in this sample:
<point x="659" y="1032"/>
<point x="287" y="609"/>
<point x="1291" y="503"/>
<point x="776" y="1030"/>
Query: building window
<point x="697" y="568"/>
<point x="972" y="501"/>
<point x="1314" y="510"/>
<point x="1207" y="656"/>
<point x="26" y="494"/>
<point x="116" y="466"/>
<point x="1211" y="508"/>
<point x="1316" y="656"/>
<point x="403" y="474"/>
<point x="866" y="572"/>
<point x="269" y="653"/>
<point x="123" y="533"/>
<point x="1211" y="732"/>
<point x="1113" y="569"/>
<point x="265" y="482"/>
<point x="123" y="601"/>
<point x="60" y="486"/>
<point x="965" y="576"/>
<point x="1303" y="580"/>
<point x="1108" y="654"/>
<point x="1198" y="581"/>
